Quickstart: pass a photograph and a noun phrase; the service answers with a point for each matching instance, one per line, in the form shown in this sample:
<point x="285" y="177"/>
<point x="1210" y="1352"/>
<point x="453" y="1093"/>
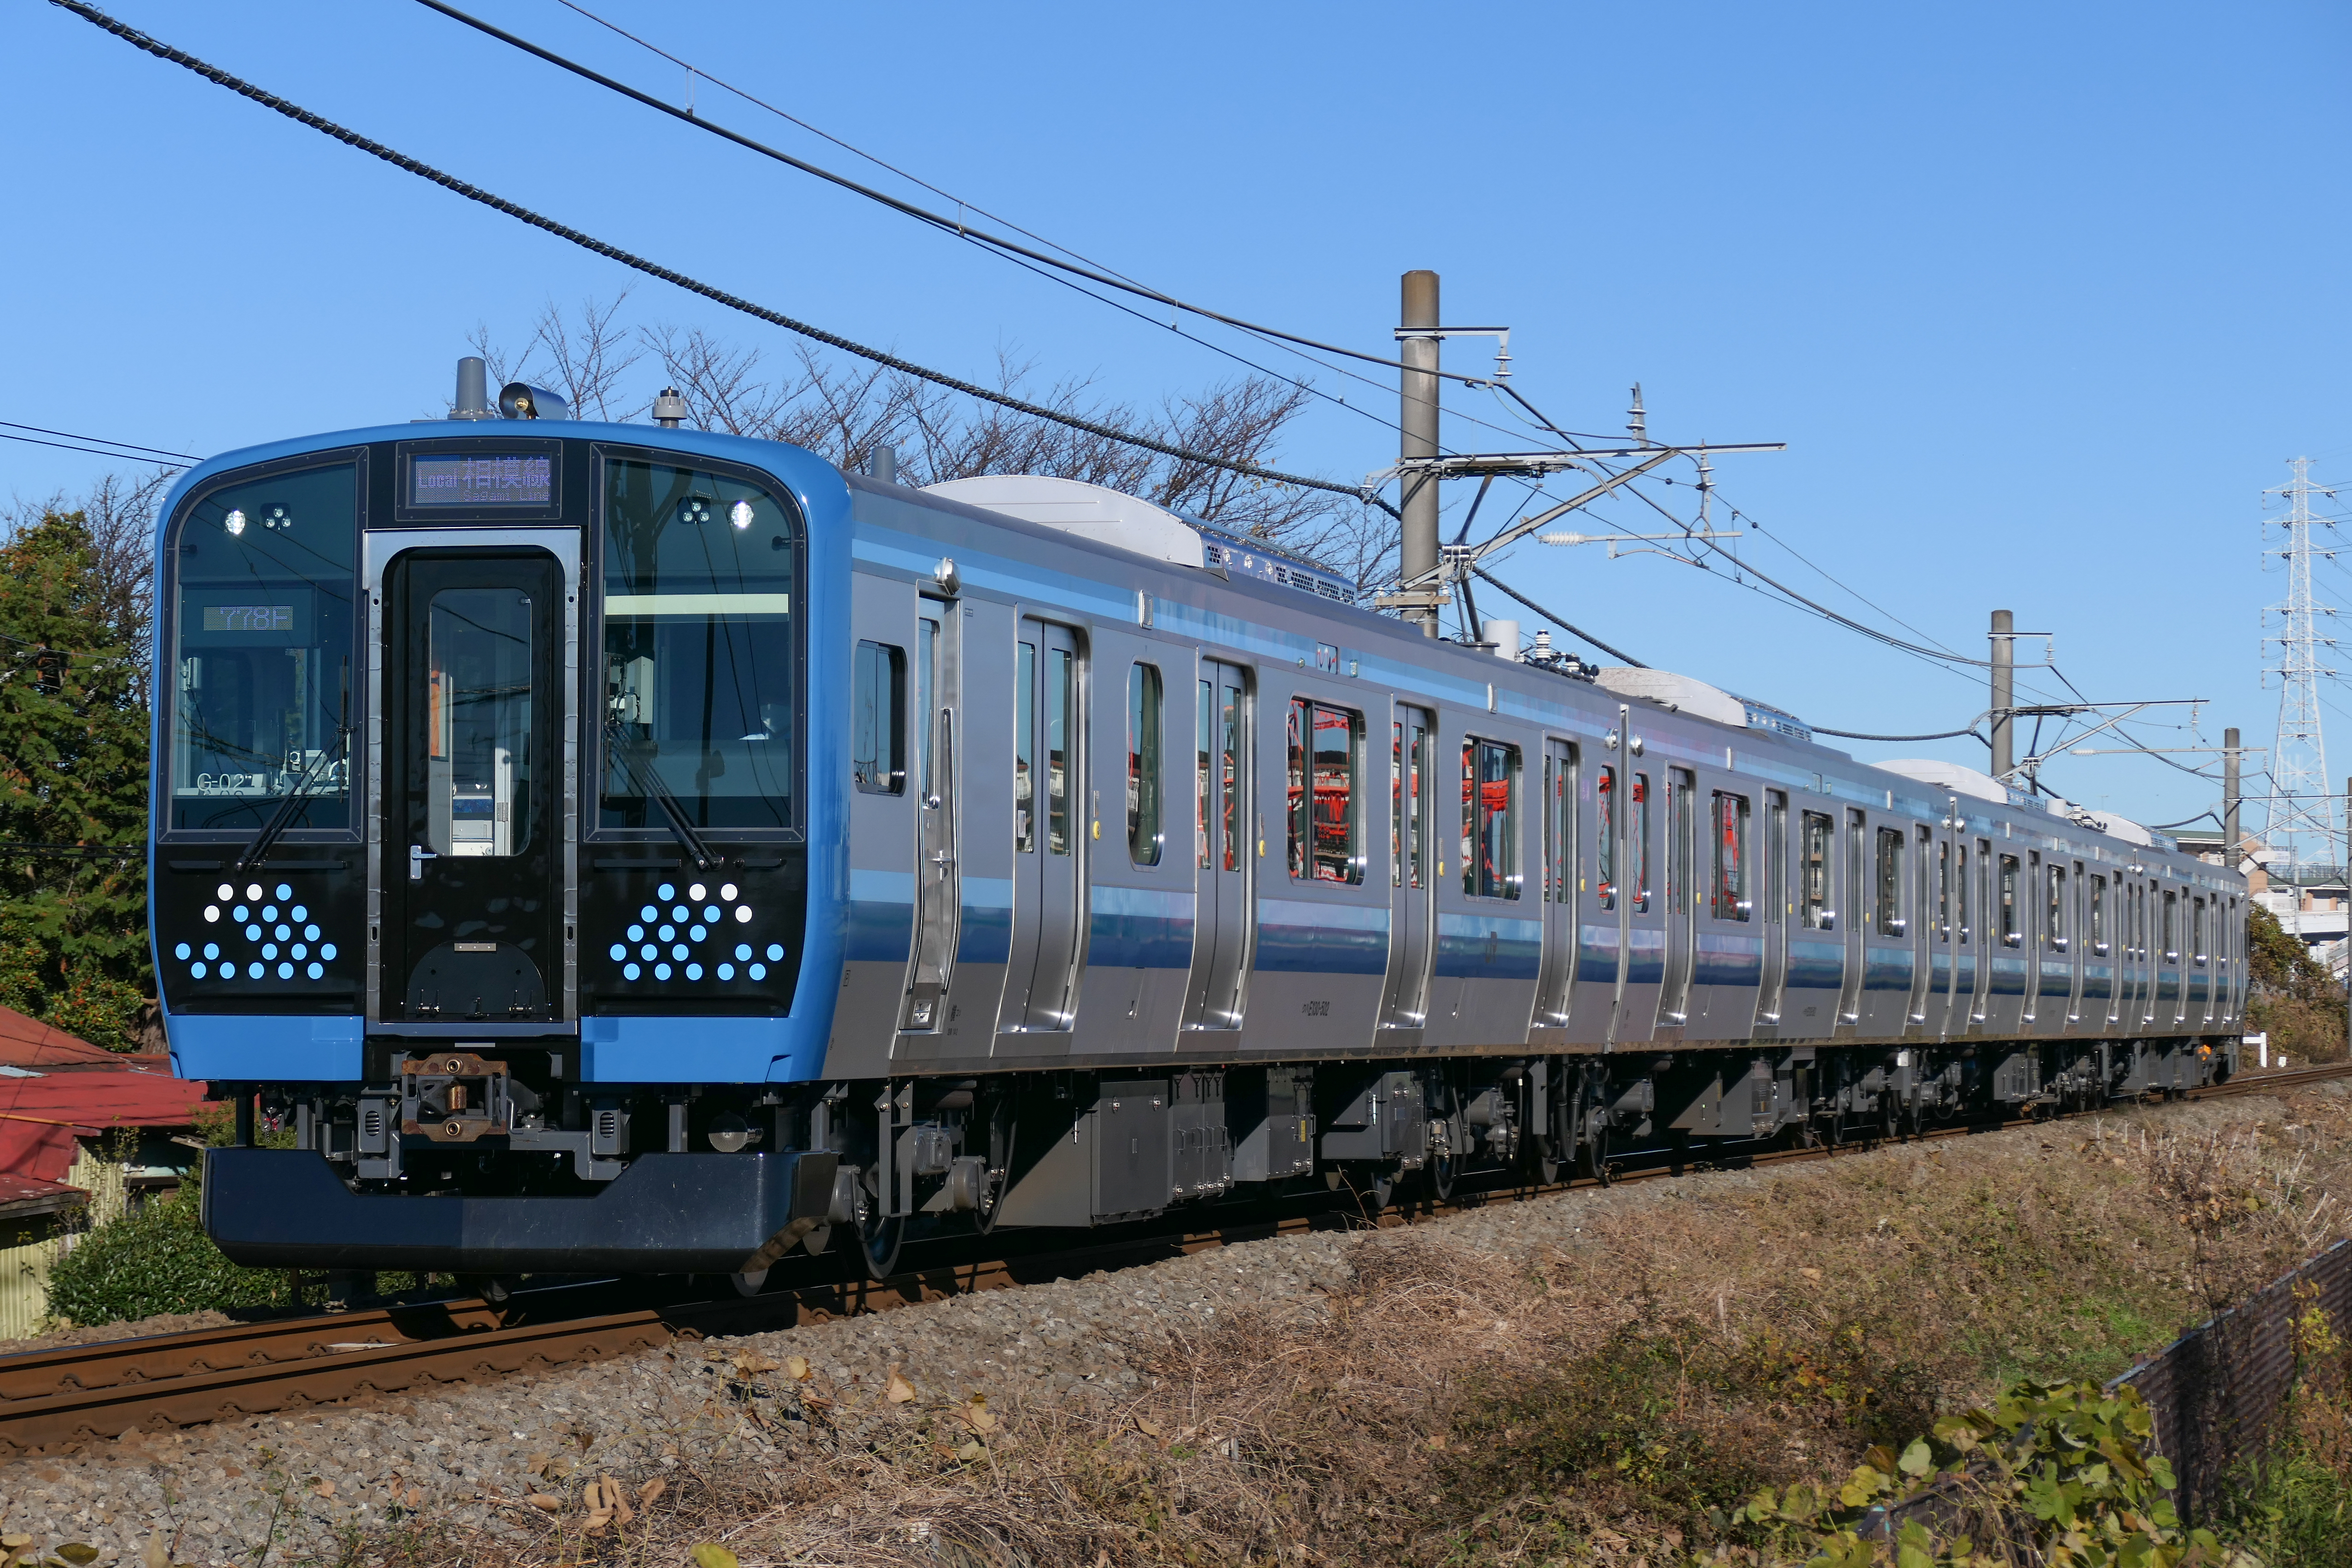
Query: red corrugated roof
<point x="102" y="1100"/>
<point x="29" y="1042"/>
<point x="40" y="1118"/>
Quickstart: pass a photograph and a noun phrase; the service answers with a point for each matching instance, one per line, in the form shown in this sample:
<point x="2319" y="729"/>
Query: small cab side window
<point x="877" y="751"/>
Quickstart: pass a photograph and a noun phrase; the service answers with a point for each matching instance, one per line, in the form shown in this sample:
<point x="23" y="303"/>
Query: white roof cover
<point x="1952" y="776"/>
<point x="1095" y="511"/>
<point x="1679" y="692"/>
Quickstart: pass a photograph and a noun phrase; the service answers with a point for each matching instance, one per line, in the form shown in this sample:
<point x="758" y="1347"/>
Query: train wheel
<point x="1439" y="1174"/>
<point x="1596" y="1150"/>
<point x="880" y="1241"/>
<point x="1549" y="1165"/>
<point x="1003" y="1131"/>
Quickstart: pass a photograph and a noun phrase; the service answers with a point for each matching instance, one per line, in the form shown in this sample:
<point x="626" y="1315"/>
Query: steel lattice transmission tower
<point x="2301" y="820"/>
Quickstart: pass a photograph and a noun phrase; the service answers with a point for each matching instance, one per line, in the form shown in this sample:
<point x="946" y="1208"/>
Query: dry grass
<point x="1596" y="1404"/>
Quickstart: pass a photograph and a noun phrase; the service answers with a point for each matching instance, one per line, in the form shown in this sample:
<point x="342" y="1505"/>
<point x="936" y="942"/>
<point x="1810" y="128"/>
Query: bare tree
<point x="844" y="412"/>
<point x="586" y="358"/>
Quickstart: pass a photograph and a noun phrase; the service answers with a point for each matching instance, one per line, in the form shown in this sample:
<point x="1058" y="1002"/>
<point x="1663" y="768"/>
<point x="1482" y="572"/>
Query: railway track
<point x="93" y="1392"/>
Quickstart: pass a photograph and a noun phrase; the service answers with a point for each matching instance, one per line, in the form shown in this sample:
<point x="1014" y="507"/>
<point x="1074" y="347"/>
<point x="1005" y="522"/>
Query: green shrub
<point x="153" y="1260"/>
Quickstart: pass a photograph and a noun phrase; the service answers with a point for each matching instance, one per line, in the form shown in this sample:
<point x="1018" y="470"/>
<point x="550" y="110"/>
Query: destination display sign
<point x="484" y="479"/>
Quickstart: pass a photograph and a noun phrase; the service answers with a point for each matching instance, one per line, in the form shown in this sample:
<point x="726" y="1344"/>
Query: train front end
<point x="484" y="843"/>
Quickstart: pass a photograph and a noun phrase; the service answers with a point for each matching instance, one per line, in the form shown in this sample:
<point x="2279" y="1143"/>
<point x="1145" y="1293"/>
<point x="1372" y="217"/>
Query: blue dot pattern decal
<point x="692" y="934"/>
<point x="281" y="939"/>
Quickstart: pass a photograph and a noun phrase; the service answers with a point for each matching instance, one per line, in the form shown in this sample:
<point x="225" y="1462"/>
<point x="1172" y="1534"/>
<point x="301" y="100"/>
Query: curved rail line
<point x="80" y="1392"/>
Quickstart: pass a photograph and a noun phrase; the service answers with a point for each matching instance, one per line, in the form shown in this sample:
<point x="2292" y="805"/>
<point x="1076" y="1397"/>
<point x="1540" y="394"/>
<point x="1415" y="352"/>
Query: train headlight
<point x="234" y="524"/>
<point x="739" y="514"/>
<point x="729" y="1132"/>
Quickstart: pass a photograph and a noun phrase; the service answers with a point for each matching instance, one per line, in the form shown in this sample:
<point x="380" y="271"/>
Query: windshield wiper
<point x="649" y="784"/>
<point x="295" y="804"/>
<point x="290" y="808"/>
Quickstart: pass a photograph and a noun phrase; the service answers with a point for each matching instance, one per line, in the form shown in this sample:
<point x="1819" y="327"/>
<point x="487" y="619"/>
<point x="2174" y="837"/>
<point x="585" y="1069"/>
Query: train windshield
<point x="261" y="614"/>
<point x="700" y="666"/>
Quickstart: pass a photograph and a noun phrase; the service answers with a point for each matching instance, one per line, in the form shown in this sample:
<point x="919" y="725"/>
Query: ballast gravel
<point x="499" y="1456"/>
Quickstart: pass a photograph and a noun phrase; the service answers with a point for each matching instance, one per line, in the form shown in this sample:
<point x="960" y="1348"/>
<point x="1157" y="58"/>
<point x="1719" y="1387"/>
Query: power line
<point x="1538" y="609"/>
<point x="1858" y="735"/>
<point x="955" y="225"/>
<point x="69" y="446"/>
<point x="213" y="74"/>
<point x="72" y="436"/>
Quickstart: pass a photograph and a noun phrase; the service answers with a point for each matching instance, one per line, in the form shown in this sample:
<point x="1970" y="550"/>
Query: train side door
<point x="1774" y="903"/>
<point x="1048" y="838"/>
<point x="1923" y="926"/>
<point x="474" y="853"/>
<point x="1225" y="907"/>
<point x="1412" y="868"/>
<point x="938" y="896"/>
<point x="2168" y="957"/>
<point x="1966" y="916"/>
<point x="1856" y="915"/>
<point x="1557" y="974"/>
<point x="1682" y="894"/>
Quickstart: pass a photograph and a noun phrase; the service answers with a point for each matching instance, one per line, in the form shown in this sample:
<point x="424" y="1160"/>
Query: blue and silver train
<point x="625" y="847"/>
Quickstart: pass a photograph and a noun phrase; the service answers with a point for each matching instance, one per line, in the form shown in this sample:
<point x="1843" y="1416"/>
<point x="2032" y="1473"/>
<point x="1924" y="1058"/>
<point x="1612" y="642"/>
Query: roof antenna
<point x="1635" y="420"/>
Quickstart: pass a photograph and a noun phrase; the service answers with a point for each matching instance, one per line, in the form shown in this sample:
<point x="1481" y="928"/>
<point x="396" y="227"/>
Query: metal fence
<point x="2217" y="1392"/>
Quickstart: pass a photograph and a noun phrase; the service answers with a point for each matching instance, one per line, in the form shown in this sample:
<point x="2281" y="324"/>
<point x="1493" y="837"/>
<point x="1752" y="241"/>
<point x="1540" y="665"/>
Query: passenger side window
<point x="2054" y="932"/>
<point x="2171" y="928"/>
<point x="1890" y="883"/>
<point x="2197" y="931"/>
<point x="1144" y="837"/>
<point x="2009" y="935"/>
<point x="2099" y="942"/>
<point x="1605" y="838"/>
<point x="1326" y="749"/>
<point x="878" y="751"/>
<point x="1641" y="843"/>
<point x="1813" y="867"/>
<point x="1731" y="901"/>
<point x="1490" y="842"/>
<point x="1560" y="825"/>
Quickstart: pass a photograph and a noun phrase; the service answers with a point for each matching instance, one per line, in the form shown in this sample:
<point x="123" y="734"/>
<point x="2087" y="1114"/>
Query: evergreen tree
<point x="73" y="772"/>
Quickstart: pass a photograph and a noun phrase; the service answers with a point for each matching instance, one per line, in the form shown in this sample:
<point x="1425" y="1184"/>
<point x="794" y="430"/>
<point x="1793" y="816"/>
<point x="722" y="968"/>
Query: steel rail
<point x="78" y="1393"/>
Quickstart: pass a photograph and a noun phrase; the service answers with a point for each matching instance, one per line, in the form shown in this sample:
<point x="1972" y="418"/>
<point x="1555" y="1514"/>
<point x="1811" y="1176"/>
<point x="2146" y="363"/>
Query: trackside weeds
<point x="1603" y="1377"/>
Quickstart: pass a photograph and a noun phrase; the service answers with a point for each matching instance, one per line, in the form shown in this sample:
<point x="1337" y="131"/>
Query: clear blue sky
<point x="2041" y="297"/>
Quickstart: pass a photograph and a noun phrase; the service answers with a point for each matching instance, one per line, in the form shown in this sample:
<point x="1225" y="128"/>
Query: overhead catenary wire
<point x="956" y="226"/>
<point x="736" y="302"/>
<point x="101" y="440"/>
<point x="1555" y="620"/>
<point x="1044" y="266"/>
<point x="72" y="447"/>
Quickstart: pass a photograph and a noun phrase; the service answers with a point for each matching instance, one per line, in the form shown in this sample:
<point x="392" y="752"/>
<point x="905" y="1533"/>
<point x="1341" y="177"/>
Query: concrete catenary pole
<point x="2230" y="852"/>
<point x="1417" y="437"/>
<point x="2347" y="975"/>
<point x="2004" y="691"/>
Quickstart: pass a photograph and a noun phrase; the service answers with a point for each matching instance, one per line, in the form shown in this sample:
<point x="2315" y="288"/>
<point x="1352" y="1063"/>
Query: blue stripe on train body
<point x="1139" y="928"/>
<point x="1481" y="946"/>
<point x="1728" y="958"/>
<point x="1298" y="937"/>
